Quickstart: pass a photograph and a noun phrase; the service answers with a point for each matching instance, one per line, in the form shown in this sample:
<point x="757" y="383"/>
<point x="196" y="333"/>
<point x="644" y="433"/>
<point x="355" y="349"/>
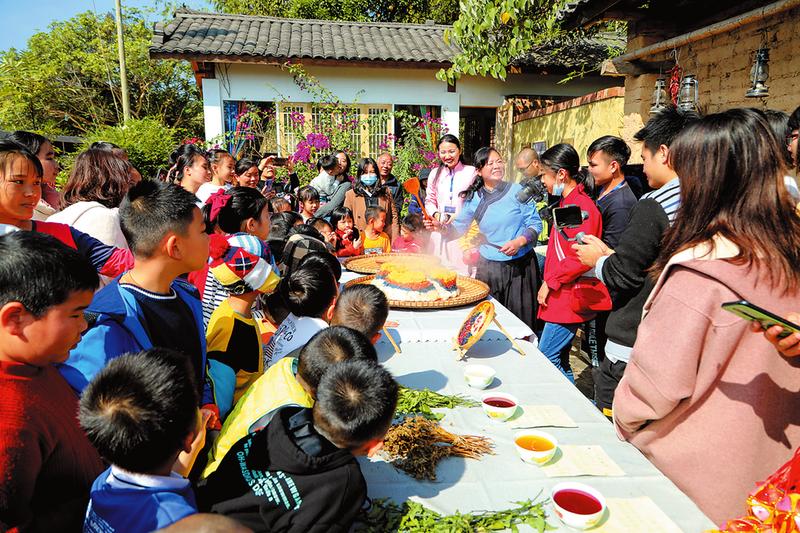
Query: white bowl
<point x="536" y="457"/>
<point x="500" y="414"/>
<point x="479" y="376"/>
<point x="570" y="516"/>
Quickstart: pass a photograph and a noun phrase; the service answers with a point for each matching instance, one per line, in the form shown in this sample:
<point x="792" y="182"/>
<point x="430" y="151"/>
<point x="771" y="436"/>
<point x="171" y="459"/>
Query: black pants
<point x="594" y="343"/>
<point x="606" y="378"/>
<point x="513" y="283"/>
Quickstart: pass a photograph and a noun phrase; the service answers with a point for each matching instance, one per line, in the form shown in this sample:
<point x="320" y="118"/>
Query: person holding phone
<point x="711" y="405"/>
<point x="788" y="345"/>
<point x="559" y="306"/>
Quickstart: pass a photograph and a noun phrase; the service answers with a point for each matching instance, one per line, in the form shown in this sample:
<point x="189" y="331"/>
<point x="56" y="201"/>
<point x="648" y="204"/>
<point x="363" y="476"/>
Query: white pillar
<point x="212" y="108"/>
<point x="451" y="104"/>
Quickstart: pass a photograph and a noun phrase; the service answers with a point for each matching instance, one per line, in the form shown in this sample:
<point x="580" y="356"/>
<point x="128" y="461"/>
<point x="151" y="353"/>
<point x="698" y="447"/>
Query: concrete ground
<point x="581" y="368"/>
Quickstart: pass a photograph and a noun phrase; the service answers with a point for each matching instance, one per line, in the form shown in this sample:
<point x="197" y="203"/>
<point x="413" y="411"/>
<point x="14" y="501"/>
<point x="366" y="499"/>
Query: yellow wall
<point x="578" y="126"/>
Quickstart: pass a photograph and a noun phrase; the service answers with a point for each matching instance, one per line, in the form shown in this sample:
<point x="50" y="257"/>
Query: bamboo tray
<point x="469" y="291"/>
<point x="371" y="263"/>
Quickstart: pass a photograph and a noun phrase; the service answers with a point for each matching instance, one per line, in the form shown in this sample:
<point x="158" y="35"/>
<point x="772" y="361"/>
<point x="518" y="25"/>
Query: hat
<point x="242" y="263"/>
<point x="297" y="247"/>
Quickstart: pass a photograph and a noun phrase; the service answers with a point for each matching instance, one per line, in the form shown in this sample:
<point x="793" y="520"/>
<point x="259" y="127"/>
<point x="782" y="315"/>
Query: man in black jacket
<point x="299" y="473"/>
<point x="624" y="269"/>
<point x="385" y="166"/>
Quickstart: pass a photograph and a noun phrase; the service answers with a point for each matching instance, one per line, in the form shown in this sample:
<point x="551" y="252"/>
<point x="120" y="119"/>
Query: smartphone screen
<point x="568" y="216"/>
<point x="748" y="311"/>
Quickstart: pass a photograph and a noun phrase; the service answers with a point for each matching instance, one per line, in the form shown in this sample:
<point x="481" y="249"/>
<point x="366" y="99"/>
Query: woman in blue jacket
<point x="507" y="262"/>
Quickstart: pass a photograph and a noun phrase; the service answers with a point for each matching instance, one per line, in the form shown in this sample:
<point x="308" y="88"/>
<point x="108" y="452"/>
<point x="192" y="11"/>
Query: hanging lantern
<point x="688" y="96"/>
<point x="660" y="98"/>
<point x="759" y="74"/>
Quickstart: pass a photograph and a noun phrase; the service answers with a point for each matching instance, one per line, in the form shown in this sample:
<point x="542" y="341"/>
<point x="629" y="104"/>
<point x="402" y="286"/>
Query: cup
<point x="499" y="405"/>
<point x="577" y="505"/>
<point x="479" y="376"/>
<point x="535" y="447"/>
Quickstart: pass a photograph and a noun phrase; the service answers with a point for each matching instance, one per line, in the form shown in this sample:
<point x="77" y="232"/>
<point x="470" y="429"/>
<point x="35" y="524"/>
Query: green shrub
<point x="147" y="141"/>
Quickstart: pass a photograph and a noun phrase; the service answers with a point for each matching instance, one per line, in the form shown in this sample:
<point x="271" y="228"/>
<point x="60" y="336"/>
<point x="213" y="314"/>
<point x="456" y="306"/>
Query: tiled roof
<point x="193" y="33"/>
<point x="215" y="36"/>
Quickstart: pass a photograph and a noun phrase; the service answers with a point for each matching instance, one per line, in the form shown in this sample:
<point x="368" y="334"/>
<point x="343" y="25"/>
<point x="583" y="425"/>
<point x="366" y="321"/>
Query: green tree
<point x="67" y="79"/>
<point x="411" y="11"/>
<point x="492" y="34"/>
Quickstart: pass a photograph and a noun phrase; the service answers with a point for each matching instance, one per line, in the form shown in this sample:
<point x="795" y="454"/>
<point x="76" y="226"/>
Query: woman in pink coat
<point x="713" y="406"/>
<point x="443" y="200"/>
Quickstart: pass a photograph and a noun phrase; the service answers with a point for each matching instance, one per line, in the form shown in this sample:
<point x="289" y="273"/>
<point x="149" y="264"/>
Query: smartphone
<point x="568" y="216"/>
<point x="748" y="311"/>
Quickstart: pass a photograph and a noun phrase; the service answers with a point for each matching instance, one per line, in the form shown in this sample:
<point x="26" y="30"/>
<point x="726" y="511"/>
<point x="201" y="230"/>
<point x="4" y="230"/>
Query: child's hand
<point x="212" y="421"/>
<point x="357" y="243"/>
<point x="183" y="465"/>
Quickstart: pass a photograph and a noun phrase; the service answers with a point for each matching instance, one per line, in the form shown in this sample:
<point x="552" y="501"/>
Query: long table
<point x="496" y="481"/>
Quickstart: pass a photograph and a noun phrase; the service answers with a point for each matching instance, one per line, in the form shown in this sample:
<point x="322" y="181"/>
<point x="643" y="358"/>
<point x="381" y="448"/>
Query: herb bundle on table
<point x="421" y="402"/>
<point x="417" y="444"/>
<point x="384" y="515"/>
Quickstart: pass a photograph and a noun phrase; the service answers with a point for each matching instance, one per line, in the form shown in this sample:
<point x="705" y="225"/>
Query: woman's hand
<point x="591" y="250"/>
<point x="788" y="346"/>
<point x="432" y="223"/>
<point x="512" y="247"/>
<point x="544" y="291"/>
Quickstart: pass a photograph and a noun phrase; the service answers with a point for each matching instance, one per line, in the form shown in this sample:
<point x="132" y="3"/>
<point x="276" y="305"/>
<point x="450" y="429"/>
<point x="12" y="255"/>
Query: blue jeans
<point x="555" y="342"/>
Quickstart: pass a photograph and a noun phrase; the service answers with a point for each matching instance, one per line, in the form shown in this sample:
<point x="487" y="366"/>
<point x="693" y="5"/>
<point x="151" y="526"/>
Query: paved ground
<point x="581" y="367"/>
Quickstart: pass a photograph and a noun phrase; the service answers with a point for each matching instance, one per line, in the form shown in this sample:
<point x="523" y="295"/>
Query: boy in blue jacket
<point x="149" y="305"/>
<point x="140" y="412"/>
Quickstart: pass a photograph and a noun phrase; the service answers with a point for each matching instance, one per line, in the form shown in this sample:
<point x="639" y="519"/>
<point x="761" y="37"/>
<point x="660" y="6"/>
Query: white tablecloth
<point x="496" y="481"/>
<point x="438" y="325"/>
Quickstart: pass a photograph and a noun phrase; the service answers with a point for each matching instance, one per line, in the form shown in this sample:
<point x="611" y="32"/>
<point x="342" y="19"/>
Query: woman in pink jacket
<point x="444" y="201"/>
<point x="562" y="268"/>
<point x="714" y="407"/>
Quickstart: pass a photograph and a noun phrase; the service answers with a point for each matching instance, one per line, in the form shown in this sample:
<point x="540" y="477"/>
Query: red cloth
<point x="560" y="274"/>
<point x="406" y="245"/>
<point x="47" y="465"/>
<point x="344" y="246"/>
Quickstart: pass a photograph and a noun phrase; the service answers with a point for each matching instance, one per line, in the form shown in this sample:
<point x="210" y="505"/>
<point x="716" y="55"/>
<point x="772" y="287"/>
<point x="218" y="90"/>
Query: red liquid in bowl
<point x="499" y="402"/>
<point x="577" y="501"/>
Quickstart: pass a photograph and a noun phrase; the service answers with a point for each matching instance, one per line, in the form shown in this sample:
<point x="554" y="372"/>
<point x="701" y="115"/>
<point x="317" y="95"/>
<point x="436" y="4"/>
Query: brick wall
<point x="722" y="64"/>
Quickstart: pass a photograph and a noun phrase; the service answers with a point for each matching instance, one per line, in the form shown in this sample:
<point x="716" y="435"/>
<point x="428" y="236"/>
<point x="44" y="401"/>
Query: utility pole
<point x="123" y="75"/>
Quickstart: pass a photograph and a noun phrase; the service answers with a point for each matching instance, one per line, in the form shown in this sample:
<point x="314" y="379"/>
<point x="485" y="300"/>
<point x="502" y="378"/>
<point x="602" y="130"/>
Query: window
<point x="378" y="129"/>
<point x="292" y="117"/>
<point x="247" y="128"/>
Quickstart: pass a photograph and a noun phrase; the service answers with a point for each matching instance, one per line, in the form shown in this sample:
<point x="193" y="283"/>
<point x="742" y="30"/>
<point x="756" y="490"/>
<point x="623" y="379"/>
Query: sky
<point x="22" y="19"/>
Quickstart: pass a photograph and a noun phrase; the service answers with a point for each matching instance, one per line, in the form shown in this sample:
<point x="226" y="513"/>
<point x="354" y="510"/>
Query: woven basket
<point x="469" y="291"/>
<point x="371" y="263"/>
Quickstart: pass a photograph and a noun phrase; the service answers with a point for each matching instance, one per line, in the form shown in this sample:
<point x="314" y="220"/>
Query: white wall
<point x="376" y="86"/>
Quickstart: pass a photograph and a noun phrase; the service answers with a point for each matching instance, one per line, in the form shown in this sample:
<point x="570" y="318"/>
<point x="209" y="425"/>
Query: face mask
<point x="558" y="189"/>
<point x="369" y="179"/>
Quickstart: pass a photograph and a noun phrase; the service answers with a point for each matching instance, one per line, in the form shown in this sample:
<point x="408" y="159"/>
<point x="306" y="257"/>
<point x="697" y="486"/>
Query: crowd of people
<point x="176" y="351"/>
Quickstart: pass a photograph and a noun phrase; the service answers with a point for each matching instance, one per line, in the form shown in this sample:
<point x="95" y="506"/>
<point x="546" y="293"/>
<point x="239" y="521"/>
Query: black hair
<point x="245" y="164"/>
<point x="278" y="202"/>
<point x="323" y="258"/>
<point x="330" y="346"/>
<point x="362" y="307"/>
<point x="40" y="272"/>
<point x="10" y="147"/>
<point x="140" y="408"/>
<point x="779" y="124"/>
<point x="106" y="146"/>
<point x="32" y="141"/>
<point x="614" y="147"/>
<point x="151" y="210"/>
<point x="412" y="222"/>
<point x="339" y="213"/>
<point x="794" y="120"/>
<point x="316" y="222"/>
<point x="328" y="162"/>
<point x="373" y="190"/>
<point x="183" y="156"/>
<point x="215" y="155"/>
<point x="663" y="126"/>
<point x="424" y="173"/>
<point x="355" y="403"/>
<point x="308" y="291"/>
<point x="245" y="202"/>
<point x="372" y="212"/>
<point x="308" y="194"/>
<point x="480" y="159"/>
<point x="280" y="226"/>
<point x="452" y="139"/>
<point x="564" y="156"/>
<point x="307" y="230"/>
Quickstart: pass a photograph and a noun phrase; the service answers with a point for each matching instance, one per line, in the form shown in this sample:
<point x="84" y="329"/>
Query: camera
<point x="532" y="189"/>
